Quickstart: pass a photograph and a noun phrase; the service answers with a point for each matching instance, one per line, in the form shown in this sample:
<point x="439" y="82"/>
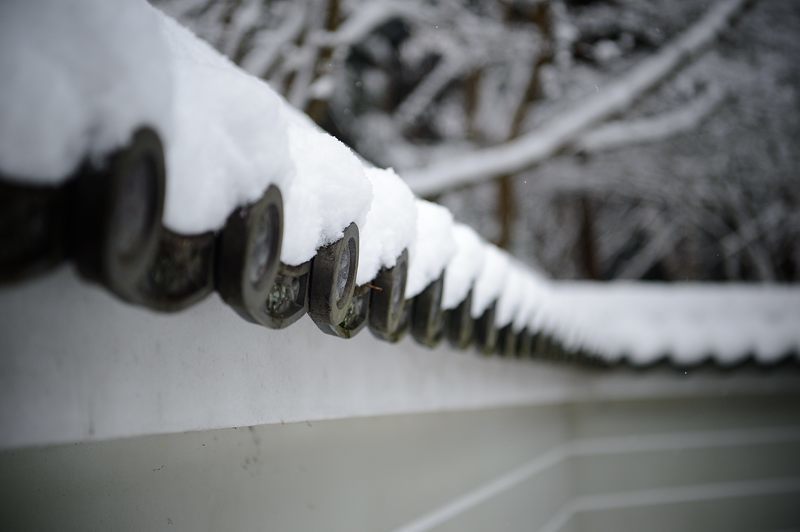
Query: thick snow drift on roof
<point x="77" y="77"/>
<point x="390" y="226"/>
<point x="490" y="282"/>
<point x="230" y="136"/>
<point x="433" y="246"/>
<point x="464" y="267"/>
<point x="687" y="322"/>
<point x="329" y="191"/>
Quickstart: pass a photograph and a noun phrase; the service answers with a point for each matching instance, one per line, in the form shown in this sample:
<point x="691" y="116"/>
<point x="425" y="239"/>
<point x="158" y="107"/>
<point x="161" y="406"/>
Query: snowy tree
<point x="600" y="139"/>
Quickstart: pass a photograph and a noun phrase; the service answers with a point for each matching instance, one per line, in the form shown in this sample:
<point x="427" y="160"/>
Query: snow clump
<point x="390" y="226"/>
<point x="433" y="246"/>
<point x="510" y="300"/>
<point x="464" y="267"/>
<point x="329" y="191"/>
<point x="491" y="279"/>
<point x="231" y="140"/>
<point x="77" y="79"/>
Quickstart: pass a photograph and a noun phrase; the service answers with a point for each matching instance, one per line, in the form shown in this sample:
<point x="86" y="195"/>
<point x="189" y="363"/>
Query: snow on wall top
<point x="685" y="321"/>
<point x="231" y="141"/>
<point x="329" y="191"/>
<point x="79" y="77"/>
<point x="464" y="267"/>
<point x="536" y="290"/>
<point x="390" y="225"/>
<point x="510" y="300"/>
<point x="432" y="248"/>
<point x="524" y="314"/>
<point x="490" y="282"/>
<point x="74" y="82"/>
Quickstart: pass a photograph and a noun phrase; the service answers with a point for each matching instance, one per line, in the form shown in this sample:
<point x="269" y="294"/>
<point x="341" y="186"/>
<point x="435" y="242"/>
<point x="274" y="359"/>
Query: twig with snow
<point x="560" y="131"/>
<point x="619" y="134"/>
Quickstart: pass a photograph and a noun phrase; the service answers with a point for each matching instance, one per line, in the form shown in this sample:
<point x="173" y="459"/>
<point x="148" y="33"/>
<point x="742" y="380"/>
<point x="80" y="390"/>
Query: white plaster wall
<point x="78" y="365"/>
<point x="693" y="464"/>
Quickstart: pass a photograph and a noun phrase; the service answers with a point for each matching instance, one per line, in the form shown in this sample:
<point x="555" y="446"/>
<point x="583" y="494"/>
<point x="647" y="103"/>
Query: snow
<point x="231" y="141"/>
<point x="390" y="226"/>
<point x="554" y="135"/>
<point x="534" y="291"/>
<point x="433" y="246"/>
<point x="329" y="191"/>
<point x="514" y="290"/>
<point x="228" y="136"/>
<point x="686" y="321"/>
<point x="491" y="280"/>
<point x="77" y="78"/>
<point x="464" y="266"/>
<point x="363" y="21"/>
<point x="223" y="132"/>
<point x="625" y="133"/>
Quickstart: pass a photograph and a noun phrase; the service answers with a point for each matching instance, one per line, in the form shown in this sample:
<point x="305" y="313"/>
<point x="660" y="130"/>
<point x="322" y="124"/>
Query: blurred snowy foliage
<point x="697" y="179"/>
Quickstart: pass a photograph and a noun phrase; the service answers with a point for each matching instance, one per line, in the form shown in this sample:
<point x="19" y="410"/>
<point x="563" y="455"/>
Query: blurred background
<point x="695" y="177"/>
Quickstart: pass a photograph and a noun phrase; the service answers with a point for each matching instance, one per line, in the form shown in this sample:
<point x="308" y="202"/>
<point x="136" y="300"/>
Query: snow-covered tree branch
<point x="650" y="129"/>
<point x="625" y="138"/>
<point x="549" y="138"/>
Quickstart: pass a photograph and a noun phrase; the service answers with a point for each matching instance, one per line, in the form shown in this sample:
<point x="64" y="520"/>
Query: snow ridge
<point x="228" y="136"/>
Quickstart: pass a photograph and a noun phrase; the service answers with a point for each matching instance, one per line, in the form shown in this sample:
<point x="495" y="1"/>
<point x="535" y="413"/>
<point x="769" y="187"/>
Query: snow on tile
<point x="77" y="78"/>
<point x="390" y="226"/>
<point x="688" y="322"/>
<point x="514" y="289"/>
<point x="329" y="190"/>
<point x="534" y="291"/>
<point x="464" y="266"/>
<point x="230" y="136"/>
<point x="432" y="248"/>
<point x="489" y="283"/>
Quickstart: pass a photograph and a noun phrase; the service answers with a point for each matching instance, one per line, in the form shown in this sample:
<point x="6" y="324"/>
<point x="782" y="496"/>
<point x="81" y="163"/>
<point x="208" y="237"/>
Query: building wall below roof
<point x="662" y="464"/>
<point x="78" y="365"/>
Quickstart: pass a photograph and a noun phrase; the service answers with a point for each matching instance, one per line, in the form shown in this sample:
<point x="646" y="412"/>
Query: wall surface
<point x="116" y="418"/>
<point x="682" y="464"/>
<point x="78" y="365"/>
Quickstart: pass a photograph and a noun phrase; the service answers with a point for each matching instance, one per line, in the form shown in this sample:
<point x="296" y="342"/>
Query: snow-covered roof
<point x="228" y="136"/>
<point x="687" y="323"/>
<point x="464" y="267"/>
<point x="432" y="247"/>
<point x="390" y="226"/>
<point x="74" y="82"/>
<point x="229" y="141"/>
<point x="490" y="281"/>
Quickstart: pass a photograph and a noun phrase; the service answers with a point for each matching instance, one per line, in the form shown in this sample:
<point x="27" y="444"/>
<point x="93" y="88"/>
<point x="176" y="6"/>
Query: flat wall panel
<point x="358" y="474"/>
<point x="659" y="416"/>
<point x="669" y="468"/>
<point x="549" y="468"/>
<point x="770" y="513"/>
